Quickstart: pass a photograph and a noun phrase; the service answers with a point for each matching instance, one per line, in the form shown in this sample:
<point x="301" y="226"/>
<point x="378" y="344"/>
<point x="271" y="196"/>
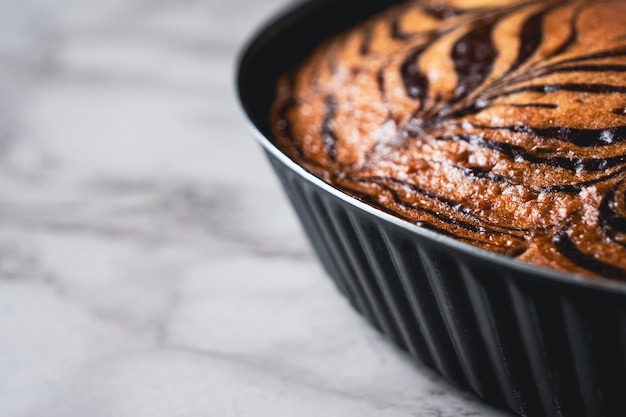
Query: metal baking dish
<point x="536" y="341"/>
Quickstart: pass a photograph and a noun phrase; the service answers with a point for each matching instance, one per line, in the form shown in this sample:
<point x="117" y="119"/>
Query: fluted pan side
<point x="519" y="340"/>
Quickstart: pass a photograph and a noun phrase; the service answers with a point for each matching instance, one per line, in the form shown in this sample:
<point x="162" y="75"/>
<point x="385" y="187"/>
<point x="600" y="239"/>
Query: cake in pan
<point x="499" y="123"/>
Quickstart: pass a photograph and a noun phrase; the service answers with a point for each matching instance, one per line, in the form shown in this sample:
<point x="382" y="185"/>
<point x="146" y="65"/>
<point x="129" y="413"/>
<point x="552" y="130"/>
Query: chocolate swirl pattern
<point x="499" y="123"/>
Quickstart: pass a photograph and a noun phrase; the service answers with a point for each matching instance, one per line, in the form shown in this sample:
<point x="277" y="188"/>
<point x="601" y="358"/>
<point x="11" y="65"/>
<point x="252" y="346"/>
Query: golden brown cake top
<point x="500" y="123"/>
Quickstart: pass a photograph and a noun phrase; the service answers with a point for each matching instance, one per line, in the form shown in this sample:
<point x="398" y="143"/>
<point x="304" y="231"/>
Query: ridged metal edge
<point x="537" y="347"/>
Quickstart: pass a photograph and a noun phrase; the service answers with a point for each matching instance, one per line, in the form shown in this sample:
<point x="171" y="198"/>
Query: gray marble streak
<point x="149" y="263"/>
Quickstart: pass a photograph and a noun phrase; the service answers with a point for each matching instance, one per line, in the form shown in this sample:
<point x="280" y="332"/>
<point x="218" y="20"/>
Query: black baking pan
<point x="533" y="340"/>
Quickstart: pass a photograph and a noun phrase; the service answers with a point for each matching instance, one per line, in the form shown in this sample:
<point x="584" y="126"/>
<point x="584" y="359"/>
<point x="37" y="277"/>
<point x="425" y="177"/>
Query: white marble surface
<point x="149" y="264"/>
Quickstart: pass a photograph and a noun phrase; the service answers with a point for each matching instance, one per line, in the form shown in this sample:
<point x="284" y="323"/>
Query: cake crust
<point x="501" y="123"/>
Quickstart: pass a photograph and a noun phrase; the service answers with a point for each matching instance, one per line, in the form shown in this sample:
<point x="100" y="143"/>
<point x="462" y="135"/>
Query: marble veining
<point x="149" y="263"/>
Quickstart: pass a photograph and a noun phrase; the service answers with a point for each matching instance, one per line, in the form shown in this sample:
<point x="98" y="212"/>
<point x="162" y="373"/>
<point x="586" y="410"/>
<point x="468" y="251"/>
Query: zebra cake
<point x="499" y="123"/>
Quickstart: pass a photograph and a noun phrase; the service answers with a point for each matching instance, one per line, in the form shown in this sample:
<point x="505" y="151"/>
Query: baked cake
<point x="499" y="123"/>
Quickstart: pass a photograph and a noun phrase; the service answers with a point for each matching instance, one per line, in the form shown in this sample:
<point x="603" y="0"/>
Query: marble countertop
<point x="149" y="263"/>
